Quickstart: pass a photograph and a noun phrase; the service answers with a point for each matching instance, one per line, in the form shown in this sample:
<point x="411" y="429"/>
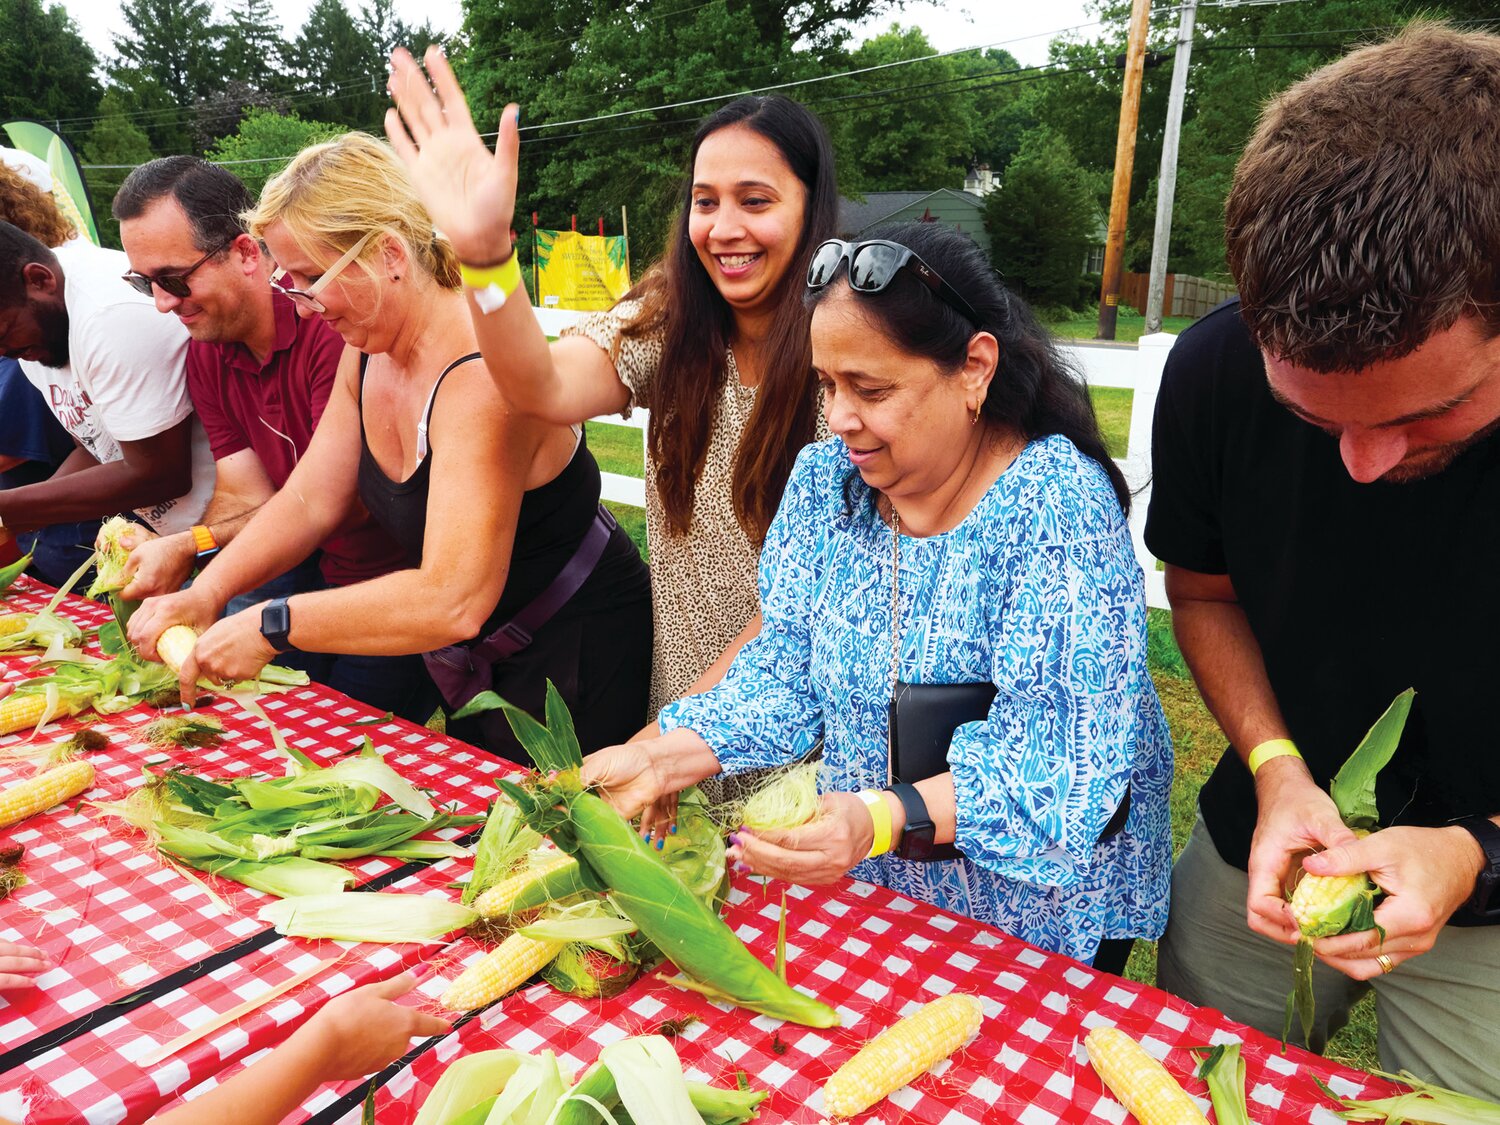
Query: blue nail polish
<point x="672" y="828"/>
<point x="661" y="842"/>
<point x="518" y="117"/>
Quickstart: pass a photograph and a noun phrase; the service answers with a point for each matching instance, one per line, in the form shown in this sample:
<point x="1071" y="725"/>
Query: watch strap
<point x="916" y="836"/>
<point x="276" y="624"/>
<point x="1486" y="898"/>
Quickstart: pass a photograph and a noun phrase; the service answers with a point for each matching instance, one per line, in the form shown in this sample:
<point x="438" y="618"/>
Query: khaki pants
<point x="1439" y="1013"/>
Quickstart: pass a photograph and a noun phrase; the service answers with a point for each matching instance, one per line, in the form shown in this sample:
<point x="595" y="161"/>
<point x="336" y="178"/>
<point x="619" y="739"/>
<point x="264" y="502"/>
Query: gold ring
<point x="1385" y="963"/>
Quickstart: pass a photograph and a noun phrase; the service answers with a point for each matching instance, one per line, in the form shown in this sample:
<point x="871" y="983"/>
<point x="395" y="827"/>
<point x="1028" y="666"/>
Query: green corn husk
<point x="367" y="916"/>
<point x="505" y="839"/>
<point x="241" y="826"/>
<point x="1425" y="1104"/>
<point x="641" y="886"/>
<point x="642" y="1078"/>
<point x="286" y="878"/>
<point x="1224" y="1071"/>
<point x="9" y="574"/>
<point x="44" y="630"/>
<point x="1353" y="911"/>
<point x="510" y="1088"/>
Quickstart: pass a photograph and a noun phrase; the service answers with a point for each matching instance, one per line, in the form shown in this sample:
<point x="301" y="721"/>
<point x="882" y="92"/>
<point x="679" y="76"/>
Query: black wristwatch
<point x="1486" y="900"/>
<point x="916" y="838"/>
<point x="276" y="623"/>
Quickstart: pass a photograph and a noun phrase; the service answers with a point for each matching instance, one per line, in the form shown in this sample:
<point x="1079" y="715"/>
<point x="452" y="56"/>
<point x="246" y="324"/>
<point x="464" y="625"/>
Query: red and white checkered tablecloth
<point x="119" y="921"/>
<point x="115" y="918"/>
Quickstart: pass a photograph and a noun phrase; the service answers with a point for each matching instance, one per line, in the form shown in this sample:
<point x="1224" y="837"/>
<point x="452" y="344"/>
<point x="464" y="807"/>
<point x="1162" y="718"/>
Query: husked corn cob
<point x="500" y="971"/>
<point x="902" y="1052"/>
<point x="175" y="645"/>
<point x="21" y="712"/>
<point x="1323" y="905"/>
<point x="40" y="793"/>
<point x="496" y="902"/>
<point x="12" y="623"/>
<point x="1140" y="1083"/>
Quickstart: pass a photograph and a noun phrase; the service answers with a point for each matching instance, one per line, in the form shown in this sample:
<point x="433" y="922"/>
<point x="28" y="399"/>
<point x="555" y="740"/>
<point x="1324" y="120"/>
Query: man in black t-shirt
<point x="1327" y="501"/>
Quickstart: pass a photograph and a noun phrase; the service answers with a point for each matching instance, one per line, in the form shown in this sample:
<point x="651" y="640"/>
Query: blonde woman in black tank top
<point x="416" y="429"/>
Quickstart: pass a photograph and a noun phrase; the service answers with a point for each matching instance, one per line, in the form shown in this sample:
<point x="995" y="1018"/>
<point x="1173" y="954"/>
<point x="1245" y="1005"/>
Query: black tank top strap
<point x="425" y="421"/>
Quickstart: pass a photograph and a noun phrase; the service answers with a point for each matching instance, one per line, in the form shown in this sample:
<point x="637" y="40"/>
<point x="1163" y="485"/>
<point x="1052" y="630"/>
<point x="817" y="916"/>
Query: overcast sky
<point x="1021" y="26"/>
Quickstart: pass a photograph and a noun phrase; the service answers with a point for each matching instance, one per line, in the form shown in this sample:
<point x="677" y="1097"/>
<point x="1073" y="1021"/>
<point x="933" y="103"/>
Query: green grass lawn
<point x="1197" y="743"/>
<point x="1129" y="326"/>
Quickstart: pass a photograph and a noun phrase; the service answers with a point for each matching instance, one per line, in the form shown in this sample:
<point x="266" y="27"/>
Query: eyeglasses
<point x="874" y="265"/>
<point x="308" y="298"/>
<point x="173" y="283"/>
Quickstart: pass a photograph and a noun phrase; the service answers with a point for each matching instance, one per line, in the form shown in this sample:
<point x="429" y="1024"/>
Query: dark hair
<point x="679" y="301"/>
<point x="17" y="251"/>
<point x="213" y="198"/>
<point x="1365" y="211"/>
<point x="1034" y="392"/>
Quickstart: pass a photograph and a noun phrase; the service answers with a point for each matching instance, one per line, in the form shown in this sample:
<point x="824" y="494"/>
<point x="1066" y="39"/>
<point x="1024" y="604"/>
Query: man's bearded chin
<point x="53" y="322"/>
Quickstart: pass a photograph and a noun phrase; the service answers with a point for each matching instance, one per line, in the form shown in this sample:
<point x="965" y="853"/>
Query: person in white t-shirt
<point x="113" y="372"/>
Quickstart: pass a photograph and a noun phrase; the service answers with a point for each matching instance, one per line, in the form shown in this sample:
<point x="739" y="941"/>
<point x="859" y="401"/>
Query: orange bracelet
<point x="203" y="539"/>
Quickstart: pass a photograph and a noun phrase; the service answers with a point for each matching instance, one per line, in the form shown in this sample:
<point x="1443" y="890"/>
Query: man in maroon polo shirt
<point x="259" y="376"/>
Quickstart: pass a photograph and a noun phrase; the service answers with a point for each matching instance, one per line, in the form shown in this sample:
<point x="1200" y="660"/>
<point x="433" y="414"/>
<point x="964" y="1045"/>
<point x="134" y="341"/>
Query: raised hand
<point x="469" y="192"/>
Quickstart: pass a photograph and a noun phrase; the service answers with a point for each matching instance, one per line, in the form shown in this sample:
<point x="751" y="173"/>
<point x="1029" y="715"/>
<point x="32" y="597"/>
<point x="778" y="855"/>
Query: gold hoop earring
<point x="977" y="410"/>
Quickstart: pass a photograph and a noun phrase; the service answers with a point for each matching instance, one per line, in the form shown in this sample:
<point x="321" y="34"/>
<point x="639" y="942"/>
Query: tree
<point x="566" y="60"/>
<point x="117" y="144"/>
<point x="168" y="59"/>
<point x="253" y="46"/>
<point x="890" y="142"/>
<point x="46" y="68"/>
<point x="265" y="142"/>
<point x="340" y="75"/>
<point x="1042" y="219"/>
<point x="386" y="30"/>
<point x="218" y="116"/>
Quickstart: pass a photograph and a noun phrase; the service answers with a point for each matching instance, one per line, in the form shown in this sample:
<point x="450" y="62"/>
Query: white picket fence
<point x="1103" y="365"/>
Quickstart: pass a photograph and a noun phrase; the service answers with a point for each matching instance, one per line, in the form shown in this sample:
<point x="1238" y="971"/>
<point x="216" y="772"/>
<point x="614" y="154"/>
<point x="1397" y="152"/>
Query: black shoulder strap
<point x="426" y="419"/>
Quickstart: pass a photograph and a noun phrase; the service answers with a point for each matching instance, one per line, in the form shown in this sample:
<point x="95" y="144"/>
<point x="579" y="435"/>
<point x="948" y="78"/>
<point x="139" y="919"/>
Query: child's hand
<point x="362" y="1031"/>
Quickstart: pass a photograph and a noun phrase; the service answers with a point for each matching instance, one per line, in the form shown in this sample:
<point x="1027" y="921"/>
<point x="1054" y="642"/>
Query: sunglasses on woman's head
<point x="873" y="265"/>
<point x="308" y="298"/>
<point x="174" y="283"/>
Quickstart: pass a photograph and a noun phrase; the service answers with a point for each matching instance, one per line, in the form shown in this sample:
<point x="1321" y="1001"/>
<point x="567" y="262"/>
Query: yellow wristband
<point x="1274" y="748"/>
<point x="203" y="540"/>
<point x="492" y="285"/>
<point x="880" y="813"/>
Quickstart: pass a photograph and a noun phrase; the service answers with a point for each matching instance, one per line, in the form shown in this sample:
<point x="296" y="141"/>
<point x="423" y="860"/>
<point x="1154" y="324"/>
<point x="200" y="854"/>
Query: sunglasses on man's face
<point x="308" y="298"/>
<point x="873" y="265"/>
<point x="174" y="283"/>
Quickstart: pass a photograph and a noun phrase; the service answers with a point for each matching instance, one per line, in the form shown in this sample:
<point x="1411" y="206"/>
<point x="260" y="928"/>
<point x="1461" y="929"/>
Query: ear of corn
<point x="12" y="623"/>
<point x="1325" y="905"/>
<point x="40" y="793"/>
<point x="1140" y="1083"/>
<point x="901" y="1053"/>
<point x="175" y="645"/>
<point x="558" y="874"/>
<point x="21" y="712"/>
<point x="500" y="971"/>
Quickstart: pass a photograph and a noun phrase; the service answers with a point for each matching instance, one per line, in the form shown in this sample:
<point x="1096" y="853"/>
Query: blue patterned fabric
<point x="1037" y="590"/>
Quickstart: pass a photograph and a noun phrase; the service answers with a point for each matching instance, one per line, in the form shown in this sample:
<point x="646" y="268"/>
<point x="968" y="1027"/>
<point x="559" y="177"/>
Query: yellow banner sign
<point x="580" y="271"/>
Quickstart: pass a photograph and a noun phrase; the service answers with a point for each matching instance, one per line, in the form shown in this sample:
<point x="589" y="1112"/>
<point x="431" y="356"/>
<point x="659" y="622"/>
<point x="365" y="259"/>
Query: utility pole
<point x="1166" y="187"/>
<point x="1119" y="200"/>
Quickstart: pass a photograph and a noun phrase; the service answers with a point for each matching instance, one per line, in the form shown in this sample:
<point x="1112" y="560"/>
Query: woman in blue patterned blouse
<point x="968" y="461"/>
